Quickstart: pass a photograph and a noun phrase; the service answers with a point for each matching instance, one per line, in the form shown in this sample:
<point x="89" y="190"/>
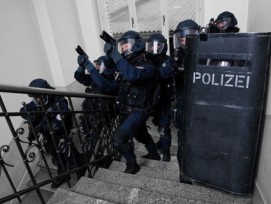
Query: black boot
<point x="153" y="156"/>
<point x="57" y="182"/>
<point x="132" y="167"/>
<point x="166" y="155"/>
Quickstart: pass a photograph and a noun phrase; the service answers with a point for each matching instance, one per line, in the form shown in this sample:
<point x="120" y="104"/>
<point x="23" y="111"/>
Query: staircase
<point x="156" y="182"/>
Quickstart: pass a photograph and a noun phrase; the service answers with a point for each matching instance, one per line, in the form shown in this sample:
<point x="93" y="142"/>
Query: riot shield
<point x="226" y="79"/>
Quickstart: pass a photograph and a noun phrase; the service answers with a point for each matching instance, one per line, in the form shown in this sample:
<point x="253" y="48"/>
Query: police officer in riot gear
<point x="99" y="80"/>
<point x="183" y="29"/>
<point x="100" y="77"/>
<point x="156" y="48"/>
<point x="53" y="105"/>
<point x="137" y="86"/>
<point x="226" y="22"/>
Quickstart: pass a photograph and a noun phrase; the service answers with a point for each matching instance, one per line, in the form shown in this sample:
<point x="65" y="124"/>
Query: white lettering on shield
<point x="227" y="80"/>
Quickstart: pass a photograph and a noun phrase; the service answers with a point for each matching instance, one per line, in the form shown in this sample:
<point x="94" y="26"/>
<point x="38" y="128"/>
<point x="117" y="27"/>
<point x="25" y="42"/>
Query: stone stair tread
<point x="156" y="182"/>
<point x="173" y="164"/>
<point x="148" y="172"/>
<point x="158" y="164"/>
<point x="123" y="194"/>
<point x="32" y="197"/>
<point x="168" y="187"/>
<point x="63" y="196"/>
<point x="43" y="175"/>
<point x="141" y="152"/>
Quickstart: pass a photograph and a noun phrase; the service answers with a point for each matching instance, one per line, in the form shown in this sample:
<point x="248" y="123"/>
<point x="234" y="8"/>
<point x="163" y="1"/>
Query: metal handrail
<point x="101" y="155"/>
<point x="31" y="90"/>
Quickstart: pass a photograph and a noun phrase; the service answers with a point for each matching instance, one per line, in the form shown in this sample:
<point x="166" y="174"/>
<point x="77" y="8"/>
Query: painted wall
<point x="259" y="21"/>
<point x="22" y="57"/>
<point x="38" y="40"/>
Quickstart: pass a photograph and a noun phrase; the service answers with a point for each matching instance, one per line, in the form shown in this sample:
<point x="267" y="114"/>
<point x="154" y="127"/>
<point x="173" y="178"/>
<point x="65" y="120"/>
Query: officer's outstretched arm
<point x="106" y="86"/>
<point x="139" y="73"/>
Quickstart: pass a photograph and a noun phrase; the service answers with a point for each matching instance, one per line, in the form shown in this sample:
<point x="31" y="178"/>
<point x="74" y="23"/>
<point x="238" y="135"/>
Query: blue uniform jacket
<point x="104" y="82"/>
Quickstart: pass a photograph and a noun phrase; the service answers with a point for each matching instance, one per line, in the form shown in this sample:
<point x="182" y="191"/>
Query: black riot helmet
<point x="131" y="43"/>
<point x="104" y="62"/>
<point x="156" y="44"/>
<point x="226" y="22"/>
<point x="184" y="28"/>
<point x="40" y="83"/>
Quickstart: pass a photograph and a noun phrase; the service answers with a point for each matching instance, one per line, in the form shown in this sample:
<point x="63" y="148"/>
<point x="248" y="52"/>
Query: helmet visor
<point x="223" y="23"/>
<point x="155" y="47"/>
<point x="179" y="37"/>
<point x="102" y="68"/>
<point x="126" y="45"/>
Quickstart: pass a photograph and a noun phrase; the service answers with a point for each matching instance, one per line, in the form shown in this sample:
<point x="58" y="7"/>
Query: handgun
<point x="108" y="38"/>
<point x="80" y="51"/>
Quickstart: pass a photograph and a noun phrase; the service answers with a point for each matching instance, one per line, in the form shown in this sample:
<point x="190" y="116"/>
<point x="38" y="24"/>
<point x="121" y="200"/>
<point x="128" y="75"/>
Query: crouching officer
<point x="138" y="83"/>
<point x="53" y="105"/>
<point x="156" y="49"/>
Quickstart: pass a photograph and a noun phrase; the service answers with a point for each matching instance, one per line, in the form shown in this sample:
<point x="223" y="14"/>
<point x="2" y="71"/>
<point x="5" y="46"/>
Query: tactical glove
<point x="82" y="60"/>
<point x="112" y="52"/>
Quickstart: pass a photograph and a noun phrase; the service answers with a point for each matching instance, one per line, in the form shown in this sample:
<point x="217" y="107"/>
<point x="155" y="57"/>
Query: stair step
<point x="168" y="187"/>
<point x="123" y="194"/>
<point x="164" y="166"/>
<point x="148" y="172"/>
<point x="32" y="197"/>
<point x="158" y="164"/>
<point x="140" y="152"/>
<point x="63" y="196"/>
